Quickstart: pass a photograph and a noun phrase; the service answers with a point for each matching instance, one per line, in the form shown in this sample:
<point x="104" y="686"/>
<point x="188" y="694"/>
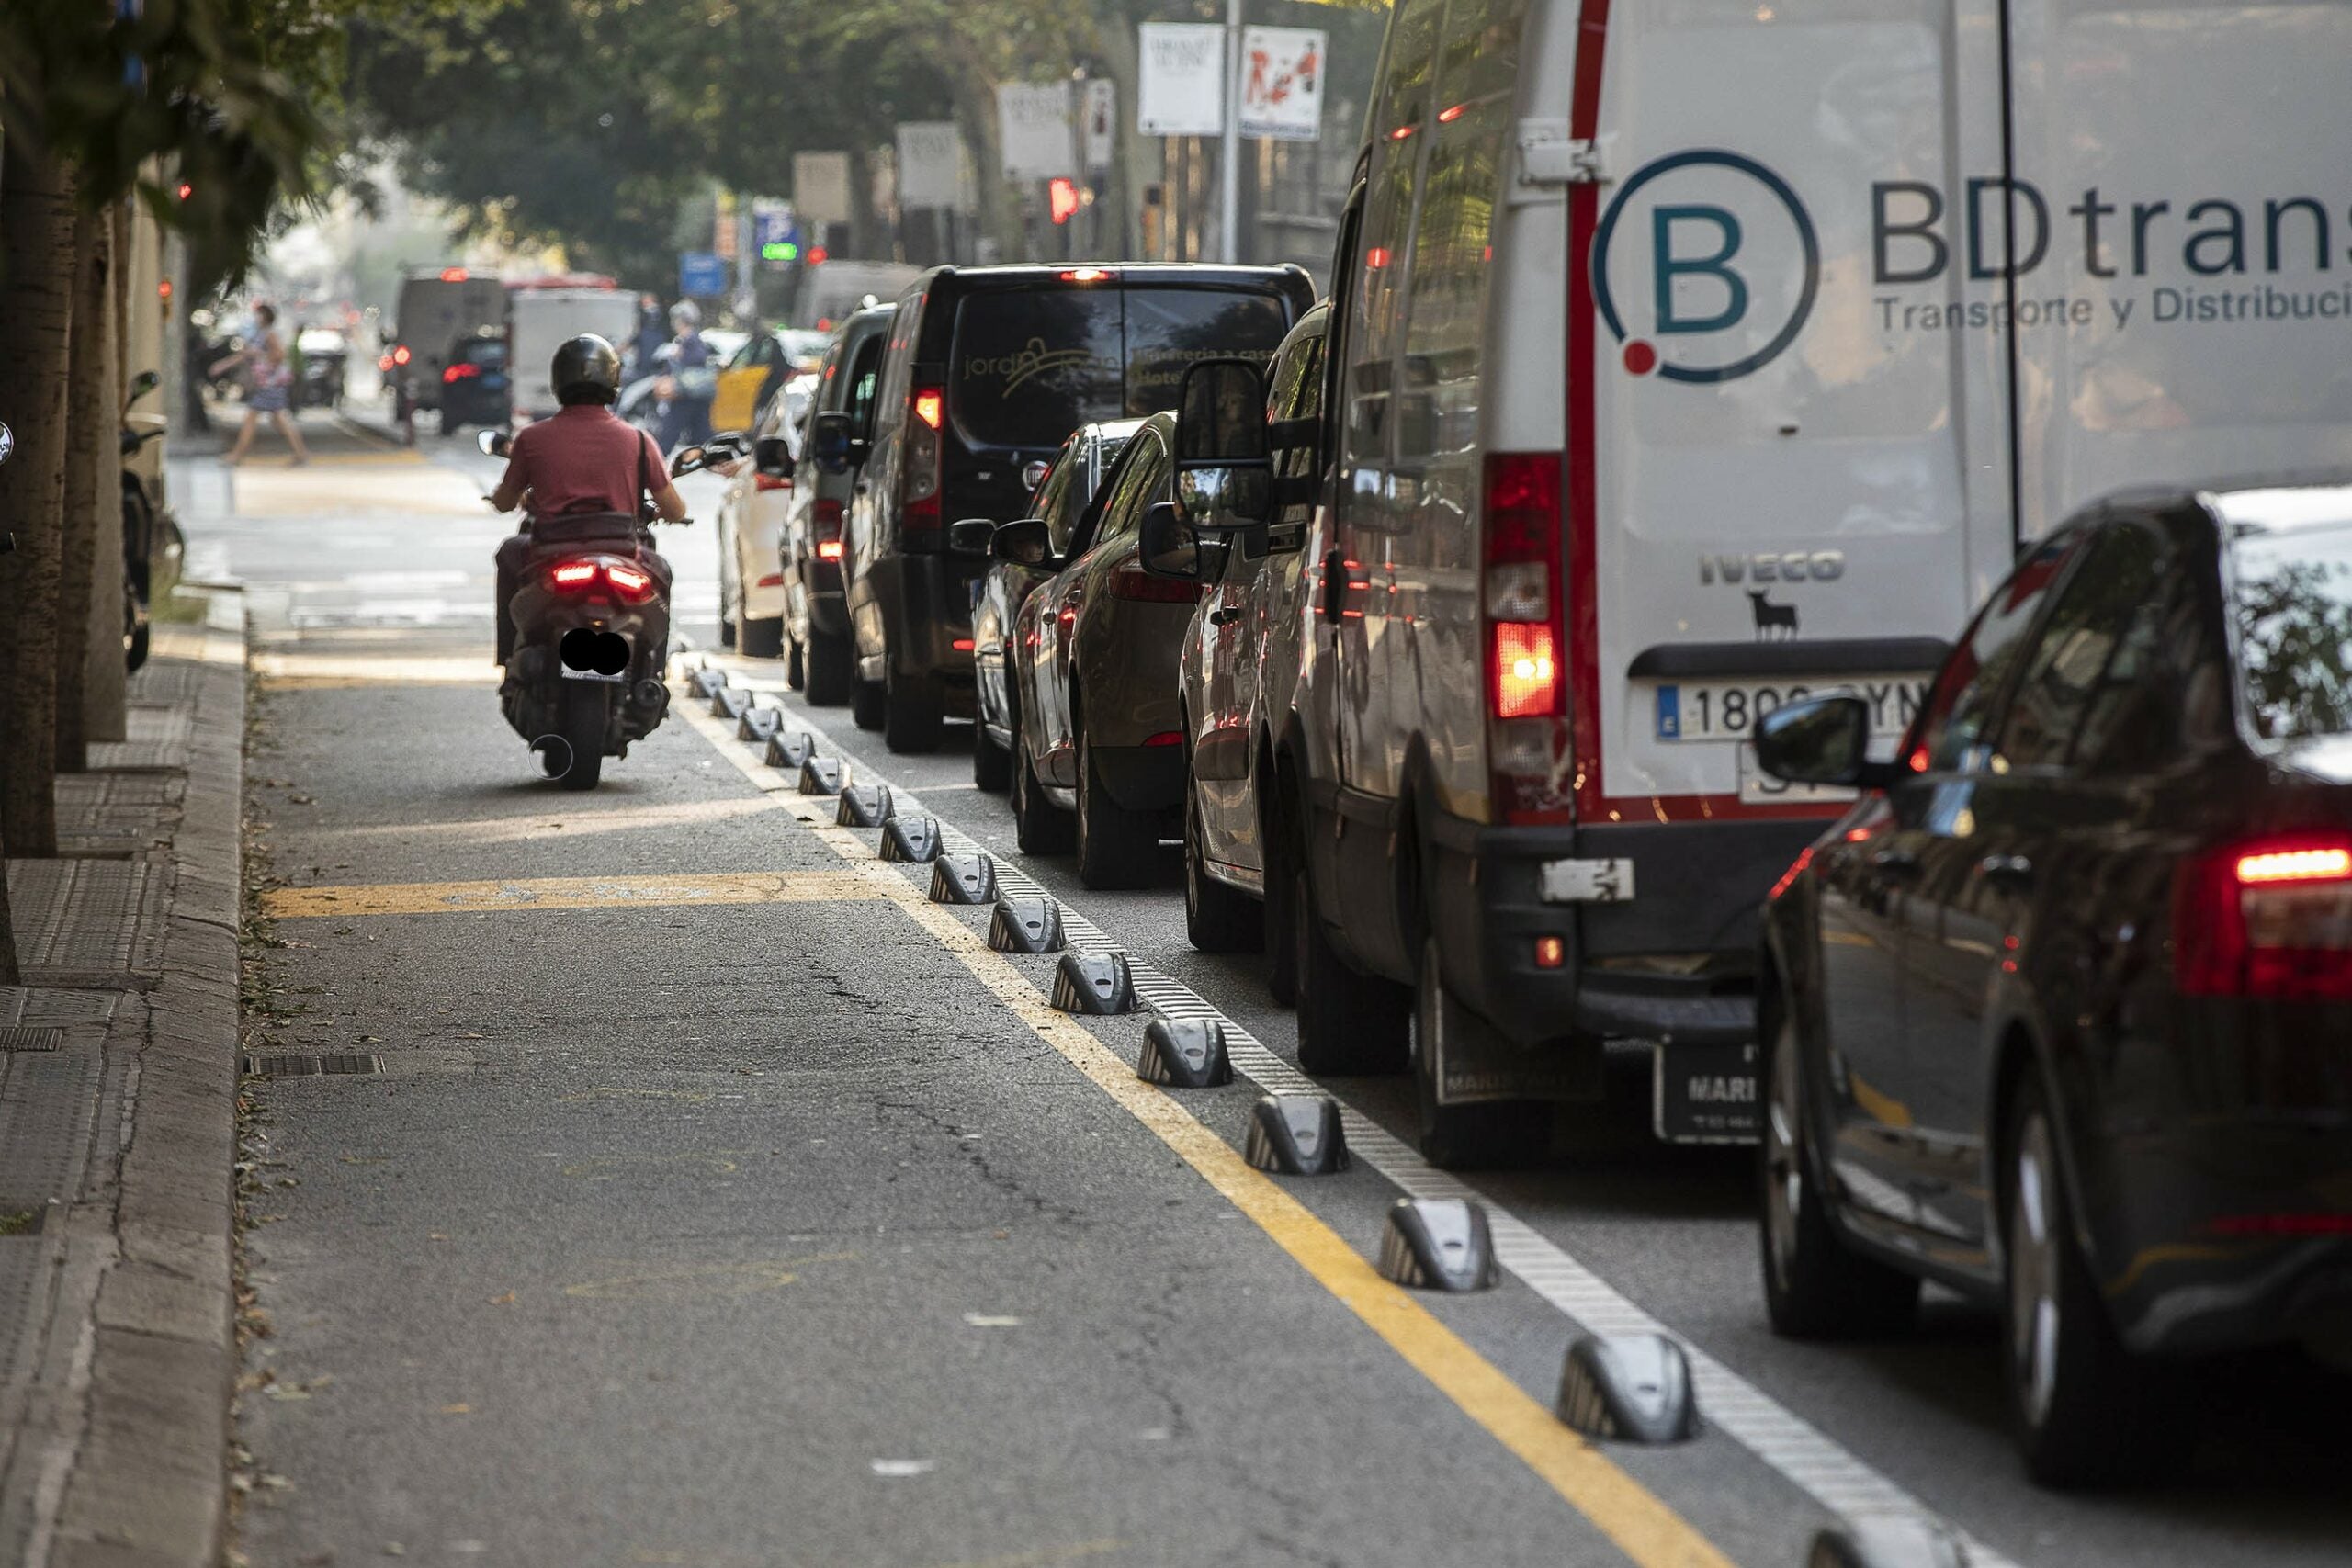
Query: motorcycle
<point x="139" y="528"/>
<point x="584" y="678"/>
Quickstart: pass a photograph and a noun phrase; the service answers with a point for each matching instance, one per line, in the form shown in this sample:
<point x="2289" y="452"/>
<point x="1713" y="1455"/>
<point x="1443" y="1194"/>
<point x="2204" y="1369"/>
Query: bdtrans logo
<point x="1713" y="259"/>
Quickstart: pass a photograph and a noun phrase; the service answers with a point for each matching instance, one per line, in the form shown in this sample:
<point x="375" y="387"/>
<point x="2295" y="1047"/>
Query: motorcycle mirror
<point x="493" y="442"/>
<point x="8" y="442"/>
<point x="687" y="460"/>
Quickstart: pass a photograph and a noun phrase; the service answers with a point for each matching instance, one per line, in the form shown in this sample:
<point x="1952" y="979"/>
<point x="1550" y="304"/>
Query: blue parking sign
<point x="701" y="274"/>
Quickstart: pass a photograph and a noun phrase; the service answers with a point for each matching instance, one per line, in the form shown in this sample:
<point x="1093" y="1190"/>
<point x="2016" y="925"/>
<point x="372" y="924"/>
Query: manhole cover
<point x="21" y="1039"/>
<point x="309" y="1066"/>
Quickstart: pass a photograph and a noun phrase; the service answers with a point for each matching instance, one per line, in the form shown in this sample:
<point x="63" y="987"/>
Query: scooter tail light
<point x="633" y="584"/>
<point x="576" y="575"/>
<point x="828" y="549"/>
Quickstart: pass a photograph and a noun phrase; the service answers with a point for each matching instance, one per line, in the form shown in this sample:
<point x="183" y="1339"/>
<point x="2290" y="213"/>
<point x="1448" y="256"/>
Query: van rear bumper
<point x="926" y="604"/>
<point x="1675" y="963"/>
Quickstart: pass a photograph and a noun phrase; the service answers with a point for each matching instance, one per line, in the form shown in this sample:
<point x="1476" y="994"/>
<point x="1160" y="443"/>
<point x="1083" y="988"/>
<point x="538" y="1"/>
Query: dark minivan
<point x="989" y="369"/>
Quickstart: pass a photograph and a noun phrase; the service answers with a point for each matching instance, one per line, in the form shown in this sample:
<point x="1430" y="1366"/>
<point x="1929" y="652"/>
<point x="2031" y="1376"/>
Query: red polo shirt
<point x="586" y="458"/>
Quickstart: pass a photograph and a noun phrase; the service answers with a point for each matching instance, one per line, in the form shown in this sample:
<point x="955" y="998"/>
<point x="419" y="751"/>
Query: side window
<point x="895" y="365"/>
<point x="1953" y="724"/>
<point x="1337" y="339"/>
<point x="859" y="397"/>
<point x="2098" y="643"/>
<point x="1403" y="115"/>
<point x="1052" y="501"/>
<point x="1141" y="482"/>
<point x="1295" y="398"/>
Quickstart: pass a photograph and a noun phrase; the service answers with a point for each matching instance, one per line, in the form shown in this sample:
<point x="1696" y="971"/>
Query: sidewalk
<point x="118" y="1087"/>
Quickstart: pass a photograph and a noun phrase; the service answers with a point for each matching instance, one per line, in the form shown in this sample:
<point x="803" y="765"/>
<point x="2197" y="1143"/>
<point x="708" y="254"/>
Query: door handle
<point x="1896" y="862"/>
<point x="2007" y="870"/>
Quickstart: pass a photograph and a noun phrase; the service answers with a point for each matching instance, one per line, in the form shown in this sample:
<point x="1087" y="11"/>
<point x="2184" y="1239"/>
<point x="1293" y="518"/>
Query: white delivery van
<point x="541" y="319"/>
<point x="1688" y="357"/>
<point x="833" y="290"/>
<point x="435" y="309"/>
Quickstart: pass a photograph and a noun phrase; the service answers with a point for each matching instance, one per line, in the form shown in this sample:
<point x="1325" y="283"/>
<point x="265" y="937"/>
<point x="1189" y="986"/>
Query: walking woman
<point x="273" y="381"/>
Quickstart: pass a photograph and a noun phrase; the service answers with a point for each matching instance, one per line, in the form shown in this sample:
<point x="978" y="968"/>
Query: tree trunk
<point x="35" y="315"/>
<point x="93" y="486"/>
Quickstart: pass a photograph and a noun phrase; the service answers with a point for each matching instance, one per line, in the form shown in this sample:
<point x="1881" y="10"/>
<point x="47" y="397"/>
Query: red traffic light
<point x="816" y="255"/>
<point x="1061" y="196"/>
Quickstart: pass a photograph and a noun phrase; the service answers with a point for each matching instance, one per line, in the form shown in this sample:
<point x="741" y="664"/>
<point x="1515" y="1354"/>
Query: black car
<point x="475" y="387"/>
<point x="2060" y="1014"/>
<point x="816" y="614"/>
<point x="989" y="369"/>
<point x="1070" y="484"/>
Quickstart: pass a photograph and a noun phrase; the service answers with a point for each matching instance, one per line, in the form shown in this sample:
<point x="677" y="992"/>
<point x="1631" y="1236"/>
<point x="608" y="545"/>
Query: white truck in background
<point x="541" y="317"/>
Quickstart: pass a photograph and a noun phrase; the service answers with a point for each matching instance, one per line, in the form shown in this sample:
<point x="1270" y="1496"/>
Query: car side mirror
<point x="832" y="437"/>
<point x="1025" y="543"/>
<point x="494" y="442"/>
<point x="1169" y="545"/>
<point x="1821" y="740"/>
<point x="971" y="536"/>
<point x="771" y="454"/>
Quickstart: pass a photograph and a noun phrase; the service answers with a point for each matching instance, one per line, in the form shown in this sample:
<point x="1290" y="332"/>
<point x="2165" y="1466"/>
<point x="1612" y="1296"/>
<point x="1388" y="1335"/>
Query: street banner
<point x="1182" y="89"/>
<point x="820" y="187"/>
<point x="1033" y="121"/>
<point x="1282" y="82"/>
<point x="1100" y="123"/>
<point x="930" y="160"/>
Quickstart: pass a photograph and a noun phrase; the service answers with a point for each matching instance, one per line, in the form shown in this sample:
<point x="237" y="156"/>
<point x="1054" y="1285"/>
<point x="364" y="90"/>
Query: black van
<point x="989" y="369"/>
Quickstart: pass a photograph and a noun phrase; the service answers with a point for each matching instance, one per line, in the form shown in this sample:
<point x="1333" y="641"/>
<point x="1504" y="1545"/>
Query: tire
<point x="1816" y="1286"/>
<point x="1280" y="917"/>
<point x="1039" y="827"/>
<point x="726" y="614"/>
<point x="795" y="664"/>
<point x="1463" y="1137"/>
<point x="826" y="664"/>
<point x="1218" y="919"/>
<point x="914" y="713"/>
<point x="2086" y="1413"/>
<point x="867" y="705"/>
<point x="1116" y="848"/>
<point x="135" y="636"/>
<point x="991" y="763"/>
<point x="760" y="639"/>
<point x="1348" y="1025"/>
<point x="582" y="729"/>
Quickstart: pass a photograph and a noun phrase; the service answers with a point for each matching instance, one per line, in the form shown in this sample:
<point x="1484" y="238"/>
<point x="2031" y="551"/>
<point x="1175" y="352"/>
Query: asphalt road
<point x="719" y="1202"/>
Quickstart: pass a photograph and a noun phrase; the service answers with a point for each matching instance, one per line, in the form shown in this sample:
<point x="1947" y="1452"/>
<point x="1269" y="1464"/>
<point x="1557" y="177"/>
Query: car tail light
<point x="919" y="481"/>
<point x="828" y="549"/>
<point x="769" y="481"/>
<point x="1090" y="275"/>
<point x="963" y="645"/>
<point x="401" y="354"/>
<point x="1134" y="582"/>
<point x="772" y="579"/>
<point x="573" y="574"/>
<point x="460" y="371"/>
<point x="634" y="585"/>
<point x="1527" y="681"/>
<point x="2270" y="919"/>
<point x="1165" y="738"/>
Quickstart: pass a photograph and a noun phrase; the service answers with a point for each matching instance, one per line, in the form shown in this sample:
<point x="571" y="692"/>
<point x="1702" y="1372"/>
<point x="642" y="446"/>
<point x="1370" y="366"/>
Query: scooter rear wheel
<point x="582" y="731"/>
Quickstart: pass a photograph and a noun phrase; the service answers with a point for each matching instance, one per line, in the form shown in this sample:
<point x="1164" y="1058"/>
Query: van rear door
<point x="1777" y="486"/>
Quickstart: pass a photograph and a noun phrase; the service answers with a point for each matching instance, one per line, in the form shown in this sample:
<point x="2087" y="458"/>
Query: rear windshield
<point x="2294" y="605"/>
<point x="1031" y="365"/>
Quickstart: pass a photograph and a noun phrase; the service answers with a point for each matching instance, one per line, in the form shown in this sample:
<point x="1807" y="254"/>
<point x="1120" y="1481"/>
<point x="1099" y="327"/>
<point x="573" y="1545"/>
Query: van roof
<point x="1115" y="272"/>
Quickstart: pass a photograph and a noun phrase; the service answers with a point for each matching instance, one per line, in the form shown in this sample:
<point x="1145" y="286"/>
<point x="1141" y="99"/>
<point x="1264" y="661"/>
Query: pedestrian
<point x="273" y="381"/>
<point x="692" y="382"/>
<point x="645" y="348"/>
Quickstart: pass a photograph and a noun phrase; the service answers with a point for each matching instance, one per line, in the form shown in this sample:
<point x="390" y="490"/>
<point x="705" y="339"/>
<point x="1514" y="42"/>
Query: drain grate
<point x="19" y="1039"/>
<point x="309" y="1066"/>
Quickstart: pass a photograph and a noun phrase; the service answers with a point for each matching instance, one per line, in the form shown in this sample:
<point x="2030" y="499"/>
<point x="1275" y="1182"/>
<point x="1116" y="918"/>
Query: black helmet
<point x="586" y="370"/>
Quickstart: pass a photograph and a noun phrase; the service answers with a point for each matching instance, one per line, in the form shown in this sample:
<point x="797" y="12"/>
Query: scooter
<point x="586" y="675"/>
<point x="139" y="529"/>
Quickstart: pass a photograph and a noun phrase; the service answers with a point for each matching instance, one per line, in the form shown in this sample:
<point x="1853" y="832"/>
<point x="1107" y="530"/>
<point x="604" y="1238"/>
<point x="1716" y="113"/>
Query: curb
<point x="147" y="1487"/>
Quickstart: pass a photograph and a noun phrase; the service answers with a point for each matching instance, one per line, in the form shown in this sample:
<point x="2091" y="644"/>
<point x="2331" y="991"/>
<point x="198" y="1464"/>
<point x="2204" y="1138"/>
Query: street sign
<point x="1182" y="89"/>
<point x="1282" y="82"/>
<point x="1035" y="121"/>
<point x="775" y="233"/>
<point x="701" y="275"/>
<point x="930" y="163"/>
<point x="820" y="187"/>
<point x="1098" y="122"/>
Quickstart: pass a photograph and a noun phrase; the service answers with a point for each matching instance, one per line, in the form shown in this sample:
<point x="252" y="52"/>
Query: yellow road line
<point x="564" y="893"/>
<point x="1643" y="1527"/>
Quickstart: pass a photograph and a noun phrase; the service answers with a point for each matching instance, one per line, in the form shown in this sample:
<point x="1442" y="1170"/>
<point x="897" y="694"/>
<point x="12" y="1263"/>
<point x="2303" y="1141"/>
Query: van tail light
<point x="769" y="481"/>
<point x="1526" y="642"/>
<point x="919" y="480"/>
<point x="461" y="371"/>
<point x="2269" y="920"/>
<point x="1134" y="582"/>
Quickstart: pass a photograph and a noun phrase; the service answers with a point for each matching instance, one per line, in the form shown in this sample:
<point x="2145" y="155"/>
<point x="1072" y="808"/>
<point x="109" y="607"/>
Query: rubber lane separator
<point x="1799" y="1451"/>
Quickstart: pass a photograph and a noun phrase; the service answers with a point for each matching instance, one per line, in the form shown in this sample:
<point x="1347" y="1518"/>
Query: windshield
<point x="2294" y="607"/>
<point x="1032" y="365"/>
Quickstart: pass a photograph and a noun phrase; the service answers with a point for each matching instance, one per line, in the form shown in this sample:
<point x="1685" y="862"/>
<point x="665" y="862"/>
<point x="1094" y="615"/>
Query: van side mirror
<point x="494" y="442"/>
<point x="833" y="441"/>
<point x="1025" y="543"/>
<point x="1821" y="740"/>
<point x="1224" y="464"/>
<point x="1169" y="545"/>
<point x="771" y="454"/>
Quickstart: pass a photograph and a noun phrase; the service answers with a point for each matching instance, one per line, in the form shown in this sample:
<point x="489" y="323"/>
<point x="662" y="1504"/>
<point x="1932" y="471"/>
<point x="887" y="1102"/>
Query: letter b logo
<point x="1670" y="266"/>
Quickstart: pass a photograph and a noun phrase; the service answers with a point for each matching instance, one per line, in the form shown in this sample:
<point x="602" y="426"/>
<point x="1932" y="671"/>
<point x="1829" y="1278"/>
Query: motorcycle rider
<point x="585" y="460"/>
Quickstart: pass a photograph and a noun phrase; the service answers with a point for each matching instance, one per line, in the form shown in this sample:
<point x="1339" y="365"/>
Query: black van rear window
<point x="1031" y="365"/>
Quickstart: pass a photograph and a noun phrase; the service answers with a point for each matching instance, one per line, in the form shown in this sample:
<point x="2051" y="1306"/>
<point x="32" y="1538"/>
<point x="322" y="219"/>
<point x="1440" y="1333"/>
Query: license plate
<point x="1705" y="1094"/>
<point x="1727" y="710"/>
<point x="1586" y="881"/>
<point x="1758" y="787"/>
<point x="571" y="674"/>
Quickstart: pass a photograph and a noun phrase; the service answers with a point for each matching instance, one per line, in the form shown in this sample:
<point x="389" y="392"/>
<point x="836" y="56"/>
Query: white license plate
<point x="1758" y="787"/>
<point x="1727" y="710"/>
<point x="1586" y="882"/>
<point x="571" y="674"/>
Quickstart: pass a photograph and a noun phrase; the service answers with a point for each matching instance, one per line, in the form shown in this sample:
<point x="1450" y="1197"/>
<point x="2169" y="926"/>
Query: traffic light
<point x="780" y="251"/>
<point x="1061" y="196"/>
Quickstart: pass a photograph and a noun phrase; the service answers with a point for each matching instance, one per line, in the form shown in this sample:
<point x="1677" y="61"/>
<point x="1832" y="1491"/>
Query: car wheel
<point x="760" y="640"/>
<point x="867" y="705"/>
<point x="1463" y="1137"/>
<point x="1348" y="1023"/>
<point x="1218" y="919"/>
<point x="795" y="664"/>
<point x="914" y="713"/>
<point x="1116" y="848"/>
<point x="2085" y="1411"/>
<point x="1039" y="827"/>
<point x="1281" y="918"/>
<point x="991" y="763"/>
<point x="1816" y="1286"/>
<point x="829" y="670"/>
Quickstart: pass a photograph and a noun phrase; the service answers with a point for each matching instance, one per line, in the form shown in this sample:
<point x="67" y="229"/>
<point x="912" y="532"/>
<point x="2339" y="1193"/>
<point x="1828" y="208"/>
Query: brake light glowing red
<point x="574" y="574"/>
<point x="1526" y="637"/>
<point x="1089" y="274"/>
<point x="1165" y="738"/>
<point x="828" y="549"/>
<point x="452" y="275"/>
<point x="1551" y="951"/>
<point x="928" y="405"/>
<point x="962" y="645"/>
<point x="401" y="354"/>
<point x="461" y="371"/>
<point x="769" y="481"/>
<point x="1527" y="670"/>
<point x="918" y="479"/>
<point x="632" y="583"/>
<point x="2269" y="920"/>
